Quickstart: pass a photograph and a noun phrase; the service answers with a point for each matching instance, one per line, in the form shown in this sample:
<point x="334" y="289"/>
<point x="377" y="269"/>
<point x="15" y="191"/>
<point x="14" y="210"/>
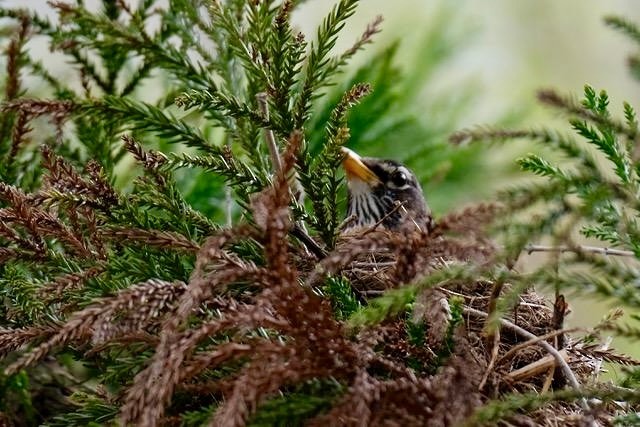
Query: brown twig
<point x="573" y="381"/>
<point x="529" y="249"/>
<point x="268" y="133"/>
<point x="509" y="354"/>
<point x="397" y="205"/>
<point x="537" y="367"/>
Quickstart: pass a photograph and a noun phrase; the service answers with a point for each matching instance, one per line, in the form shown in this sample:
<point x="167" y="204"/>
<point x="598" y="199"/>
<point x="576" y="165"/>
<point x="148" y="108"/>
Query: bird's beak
<point x="356" y="169"/>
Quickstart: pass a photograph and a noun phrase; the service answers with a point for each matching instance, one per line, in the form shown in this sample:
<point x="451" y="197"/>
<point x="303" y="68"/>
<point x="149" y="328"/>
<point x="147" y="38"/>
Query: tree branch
<point x="571" y="378"/>
<point x="577" y="249"/>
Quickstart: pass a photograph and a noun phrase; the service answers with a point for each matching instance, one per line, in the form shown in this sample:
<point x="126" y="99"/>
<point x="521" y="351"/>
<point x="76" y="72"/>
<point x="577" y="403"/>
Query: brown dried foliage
<point x="131" y="310"/>
<point x="444" y="399"/>
<point x="150" y="160"/>
<point x="12" y="85"/>
<point x="29" y="109"/>
<point x="59" y="110"/>
<point x="13" y="339"/>
<point x="26" y="213"/>
<point x="432" y="307"/>
<point x="158" y="238"/>
<point x="54" y="290"/>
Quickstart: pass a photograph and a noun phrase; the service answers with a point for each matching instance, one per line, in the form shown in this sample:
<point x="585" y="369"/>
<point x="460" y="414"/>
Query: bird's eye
<point x="399" y="179"/>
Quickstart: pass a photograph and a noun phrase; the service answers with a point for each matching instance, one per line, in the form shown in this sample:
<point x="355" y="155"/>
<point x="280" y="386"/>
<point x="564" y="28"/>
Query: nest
<point x="520" y="350"/>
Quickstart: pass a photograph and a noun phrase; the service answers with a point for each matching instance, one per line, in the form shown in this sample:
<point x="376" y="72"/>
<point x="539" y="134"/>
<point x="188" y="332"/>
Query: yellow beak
<point x="356" y="169"/>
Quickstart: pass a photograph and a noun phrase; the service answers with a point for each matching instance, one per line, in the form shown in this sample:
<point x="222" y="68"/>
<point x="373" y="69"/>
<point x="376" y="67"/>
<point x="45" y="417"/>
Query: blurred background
<point x="461" y="64"/>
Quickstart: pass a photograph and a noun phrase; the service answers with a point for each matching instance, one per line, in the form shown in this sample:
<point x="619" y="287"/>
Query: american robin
<point x="383" y="192"/>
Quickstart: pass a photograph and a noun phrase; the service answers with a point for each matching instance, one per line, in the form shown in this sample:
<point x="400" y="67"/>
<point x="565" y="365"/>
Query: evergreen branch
<point x="61" y="91"/>
<point x="249" y="54"/>
<point x="626" y="331"/>
<point x="20" y="14"/>
<point x="508" y="405"/>
<point x="317" y="64"/>
<point x="240" y="319"/>
<point x="90" y="69"/>
<point x="120" y="38"/>
<point x="540" y="166"/>
<point x="625" y="293"/>
<point x="552" y="98"/>
<point x="214" y="100"/>
<point x="140" y="74"/>
<point x="287" y="56"/>
<point x="319" y="178"/>
<point x="606" y="143"/>
<point x="624" y="26"/>
<point x="274" y="152"/>
<point x="524" y="196"/>
<point x="631" y="119"/>
<point x="90" y="409"/>
<point x="142" y="116"/>
<point x="244" y="179"/>
<point x="565" y="143"/>
<point x="634" y="66"/>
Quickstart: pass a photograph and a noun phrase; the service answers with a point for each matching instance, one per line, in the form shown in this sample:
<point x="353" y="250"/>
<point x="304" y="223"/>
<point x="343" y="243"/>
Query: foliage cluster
<point x="178" y="260"/>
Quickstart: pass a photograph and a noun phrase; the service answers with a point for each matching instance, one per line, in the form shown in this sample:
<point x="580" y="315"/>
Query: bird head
<point x="382" y="191"/>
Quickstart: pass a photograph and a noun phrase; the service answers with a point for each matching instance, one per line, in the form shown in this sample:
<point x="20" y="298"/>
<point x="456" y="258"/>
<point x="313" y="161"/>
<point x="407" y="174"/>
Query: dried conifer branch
<point x="13" y="339"/>
<point x="56" y="288"/>
<point x="433" y="308"/>
<point x="38" y="222"/>
<point x="470" y="219"/>
<point x="78" y="327"/>
<point x="485" y="134"/>
<point x="298" y="229"/>
<point x="597" y="351"/>
<point x="212" y="358"/>
<point x="99" y="319"/>
<point x="19" y="136"/>
<point x="134" y="308"/>
<point x="100" y="185"/>
<point x="153" y="387"/>
<point x="260" y="326"/>
<point x="151" y="160"/>
<point x="372" y="29"/>
<point x="63" y="181"/>
<point x="343" y="255"/>
<point x="37" y="107"/>
<point x="159" y="238"/>
<point x="12" y="86"/>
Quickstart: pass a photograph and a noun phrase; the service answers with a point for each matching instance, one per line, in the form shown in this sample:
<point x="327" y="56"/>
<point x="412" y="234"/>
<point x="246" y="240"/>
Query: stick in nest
<point x="573" y="381"/>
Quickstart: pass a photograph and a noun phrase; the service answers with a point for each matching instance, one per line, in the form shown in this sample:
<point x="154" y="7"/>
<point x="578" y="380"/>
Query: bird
<point x="383" y="193"/>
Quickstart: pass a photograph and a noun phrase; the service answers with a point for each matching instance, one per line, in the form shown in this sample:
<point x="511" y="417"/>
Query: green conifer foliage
<point x="170" y="214"/>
